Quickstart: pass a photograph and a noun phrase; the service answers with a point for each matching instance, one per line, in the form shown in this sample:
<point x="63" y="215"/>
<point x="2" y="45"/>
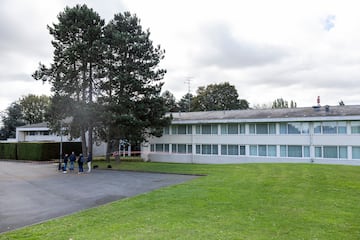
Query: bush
<point x="45" y="151"/>
<point x="8" y="150"/>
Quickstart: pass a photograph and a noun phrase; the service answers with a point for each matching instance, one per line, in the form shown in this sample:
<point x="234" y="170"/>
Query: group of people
<point x="71" y="159"/>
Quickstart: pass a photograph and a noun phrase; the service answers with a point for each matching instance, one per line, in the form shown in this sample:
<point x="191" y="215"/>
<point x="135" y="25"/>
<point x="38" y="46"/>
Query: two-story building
<point x="328" y="134"/>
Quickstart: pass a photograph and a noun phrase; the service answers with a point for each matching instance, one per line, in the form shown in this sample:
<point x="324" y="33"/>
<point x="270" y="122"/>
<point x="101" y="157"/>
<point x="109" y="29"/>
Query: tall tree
<point x="185" y="103"/>
<point x="281" y="103"/>
<point x="221" y="96"/>
<point x="34" y="108"/>
<point x="78" y="51"/>
<point x="170" y="101"/>
<point x="12" y="118"/>
<point x="132" y="82"/>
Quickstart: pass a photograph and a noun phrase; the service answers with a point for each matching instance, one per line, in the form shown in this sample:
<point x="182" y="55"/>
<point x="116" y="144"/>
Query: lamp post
<point x="60" y="154"/>
<point x="66" y="121"/>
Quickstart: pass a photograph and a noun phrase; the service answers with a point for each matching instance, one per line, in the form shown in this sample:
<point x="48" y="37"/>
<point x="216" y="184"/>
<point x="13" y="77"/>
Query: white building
<point x="41" y="133"/>
<point x="302" y="135"/>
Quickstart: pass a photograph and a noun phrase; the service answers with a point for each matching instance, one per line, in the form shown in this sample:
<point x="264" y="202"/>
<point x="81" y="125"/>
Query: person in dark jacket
<point x="80" y="163"/>
<point x="89" y="160"/>
<point x="66" y="159"/>
<point x="72" y="159"/>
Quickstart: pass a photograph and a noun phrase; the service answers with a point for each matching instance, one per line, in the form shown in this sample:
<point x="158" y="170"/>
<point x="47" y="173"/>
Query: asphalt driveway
<point x="32" y="193"/>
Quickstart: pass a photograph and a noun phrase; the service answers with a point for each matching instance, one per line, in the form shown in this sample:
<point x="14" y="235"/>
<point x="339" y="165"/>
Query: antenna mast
<point x="188" y="82"/>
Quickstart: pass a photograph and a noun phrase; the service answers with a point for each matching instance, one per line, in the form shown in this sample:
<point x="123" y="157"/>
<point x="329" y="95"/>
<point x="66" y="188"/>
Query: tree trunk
<point x="108" y="147"/>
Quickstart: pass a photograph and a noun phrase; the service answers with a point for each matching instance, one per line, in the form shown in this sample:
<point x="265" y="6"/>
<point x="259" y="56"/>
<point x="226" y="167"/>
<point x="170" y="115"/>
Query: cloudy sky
<point x="296" y="50"/>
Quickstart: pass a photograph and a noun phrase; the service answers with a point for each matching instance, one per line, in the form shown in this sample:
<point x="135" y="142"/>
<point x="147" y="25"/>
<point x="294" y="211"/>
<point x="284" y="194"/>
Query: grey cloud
<point x="226" y="51"/>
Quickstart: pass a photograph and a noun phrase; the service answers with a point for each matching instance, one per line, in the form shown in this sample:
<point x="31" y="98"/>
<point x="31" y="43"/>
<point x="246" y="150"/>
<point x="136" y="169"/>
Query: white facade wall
<point x="310" y="140"/>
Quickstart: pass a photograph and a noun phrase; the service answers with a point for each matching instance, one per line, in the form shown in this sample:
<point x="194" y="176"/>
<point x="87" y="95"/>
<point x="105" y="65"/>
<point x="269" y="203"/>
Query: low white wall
<point x="220" y="159"/>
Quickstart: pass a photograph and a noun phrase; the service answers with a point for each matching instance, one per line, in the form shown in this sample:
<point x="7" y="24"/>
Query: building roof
<point x="260" y="115"/>
<point x="36" y="125"/>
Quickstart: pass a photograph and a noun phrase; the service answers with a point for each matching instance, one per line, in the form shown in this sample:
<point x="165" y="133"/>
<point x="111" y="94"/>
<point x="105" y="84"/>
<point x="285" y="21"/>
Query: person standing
<point x="89" y="160"/>
<point x="66" y="159"/>
<point x="72" y="159"/>
<point x="80" y="163"/>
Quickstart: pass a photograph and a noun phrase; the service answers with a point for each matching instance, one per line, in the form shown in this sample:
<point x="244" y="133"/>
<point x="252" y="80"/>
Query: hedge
<point x="36" y="151"/>
<point x="7" y="150"/>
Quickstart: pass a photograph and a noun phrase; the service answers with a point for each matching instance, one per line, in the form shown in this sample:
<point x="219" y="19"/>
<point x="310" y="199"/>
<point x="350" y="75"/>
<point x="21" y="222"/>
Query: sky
<point x="295" y="50"/>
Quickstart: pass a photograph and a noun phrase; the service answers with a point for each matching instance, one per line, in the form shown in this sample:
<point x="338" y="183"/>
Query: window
<point x="166" y="130"/>
<point x="317" y="127"/>
<point x="198" y="129"/>
<point x="355" y="127"/>
<point x="252" y="128"/>
<point x="198" y="149"/>
<point x="272" y="128"/>
<point x="152" y="148"/>
<point x="174" y="129"/>
<point x="272" y="151"/>
<point x="329" y="128"/>
<point x="294" y="151"/>
<point x="330" y="152"/>
<point x="233" y="149"/>
<point x="173" y="148"/>
<point x="283" y="128"/>
<point x="159" y="147"/>
<point x="242" y="128"/>
<point x="342" y="128"/>
<point x="189" y="148"/>
<point x="355" y="152"/>
<point x="318" y="152"/>
<point x="306" y="151"/>
<point x="262" y="128"/>
<point x="262" y="150"/>
<point x="182" y="129"/>
<point x="166" y="146"/>
<point x="337" y="152"/>
<point x="343" y="152"/>
<point x="253" y="150"/>
<point x="223" y="149"/>
<point x="233" y="129"/>
<point x="181" y="148"/>
<point x="207" y="129"/>
<point x="189" y="129"/>
<point x="305" y="128"/>
<point x="207" y="149"/>
<point x="283" y="151"/>
<point x="229" y="128"/>
<point x="242" y="150"/>
<point x="294" y="128"/>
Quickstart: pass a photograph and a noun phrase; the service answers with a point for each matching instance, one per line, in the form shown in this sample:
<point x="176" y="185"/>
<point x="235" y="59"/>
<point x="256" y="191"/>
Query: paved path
<point x="32" y="193"/>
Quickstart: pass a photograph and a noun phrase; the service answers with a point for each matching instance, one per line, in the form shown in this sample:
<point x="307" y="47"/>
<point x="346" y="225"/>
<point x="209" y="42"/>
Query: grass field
<point x="248" y="201"/>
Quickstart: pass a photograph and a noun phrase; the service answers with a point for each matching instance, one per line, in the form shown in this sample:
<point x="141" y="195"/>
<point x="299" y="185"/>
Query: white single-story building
<point x="40" y="132"/>
<point x="329" y="134"/>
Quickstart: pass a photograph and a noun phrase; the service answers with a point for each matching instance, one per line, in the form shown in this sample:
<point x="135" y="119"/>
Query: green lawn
<point x="248" y="201"/>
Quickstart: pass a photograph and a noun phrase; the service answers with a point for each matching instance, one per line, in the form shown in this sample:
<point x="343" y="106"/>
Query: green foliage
<point x="170" y="101"/>
<point x="39" y="151"/>
<point x="34" y="108"/>
<point x="112" y="70"/>
<point x="12" y="118"/>
<point x="248" y="201"/>
<point x="8" y="150"/>
<point x="281" y="103"/>
<point x="215" y="97"/>
<point x="184" y="103"/>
